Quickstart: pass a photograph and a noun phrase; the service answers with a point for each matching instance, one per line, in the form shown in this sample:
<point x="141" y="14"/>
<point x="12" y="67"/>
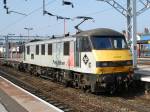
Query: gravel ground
<point x="86" y="102"/>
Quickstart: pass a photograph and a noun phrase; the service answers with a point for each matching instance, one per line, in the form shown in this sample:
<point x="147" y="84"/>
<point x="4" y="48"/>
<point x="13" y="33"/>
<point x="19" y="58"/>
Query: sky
<point x="104" y="17"/>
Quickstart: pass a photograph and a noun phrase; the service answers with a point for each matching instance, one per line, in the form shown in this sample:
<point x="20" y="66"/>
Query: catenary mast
<point x="131" y="13"/>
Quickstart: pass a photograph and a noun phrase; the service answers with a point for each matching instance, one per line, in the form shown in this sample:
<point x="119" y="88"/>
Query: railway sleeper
<point x="57" y="104"/>
<point x="68" y="110"/>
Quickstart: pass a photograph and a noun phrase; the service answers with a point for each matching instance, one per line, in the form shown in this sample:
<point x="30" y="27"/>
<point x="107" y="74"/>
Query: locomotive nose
<point x="113" y="61"/>
<point x="112" y="55"/>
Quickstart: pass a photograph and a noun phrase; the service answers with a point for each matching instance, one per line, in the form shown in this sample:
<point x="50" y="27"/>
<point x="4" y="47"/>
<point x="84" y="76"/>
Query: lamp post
<point x="28" y="30"/>
<point x="7" y="45"/>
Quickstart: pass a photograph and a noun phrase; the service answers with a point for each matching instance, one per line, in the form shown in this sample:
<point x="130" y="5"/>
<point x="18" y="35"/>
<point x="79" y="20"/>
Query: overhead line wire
<point x="22" y="18"/>
<point x="93" y="13"/>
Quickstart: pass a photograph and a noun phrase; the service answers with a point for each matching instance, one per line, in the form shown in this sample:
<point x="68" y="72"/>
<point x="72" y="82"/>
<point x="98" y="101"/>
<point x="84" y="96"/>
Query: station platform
<point x="2" y="108"/>
<point x="16" y="99"/>
<point x="143" y="61"/>
<point x="143" y="72"/>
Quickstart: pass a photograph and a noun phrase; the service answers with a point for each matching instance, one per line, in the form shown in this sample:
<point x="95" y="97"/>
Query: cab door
<point x="86" y="55"/>
<point x="77" y="53"/>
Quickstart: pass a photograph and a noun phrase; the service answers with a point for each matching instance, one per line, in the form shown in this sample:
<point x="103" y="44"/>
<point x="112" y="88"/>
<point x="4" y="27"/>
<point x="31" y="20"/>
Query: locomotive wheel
<point x="86" y="89"/>
<point x="113" y="89"/>
<point x="68" y="83"/>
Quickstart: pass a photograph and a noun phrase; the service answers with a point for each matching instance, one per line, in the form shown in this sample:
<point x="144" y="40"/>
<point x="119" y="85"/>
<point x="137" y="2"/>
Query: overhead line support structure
<point x="6" y="47"/>
<point x="131" y="15"/>
<point x="6" y="38"/>
<point x="146" y="5"/>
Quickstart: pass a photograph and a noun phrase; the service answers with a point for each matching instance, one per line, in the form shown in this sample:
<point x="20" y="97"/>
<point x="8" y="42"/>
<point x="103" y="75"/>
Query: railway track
<point x="36" y="91"/>
<point x="90" y="102"/>
<point x="131" y="104"/>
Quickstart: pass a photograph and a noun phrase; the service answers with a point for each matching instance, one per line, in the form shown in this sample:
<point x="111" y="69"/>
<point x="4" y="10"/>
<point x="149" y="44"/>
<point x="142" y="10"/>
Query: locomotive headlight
<point x="131" y="69"/>
<point x="129" y="62"/>
<point x="104" y="64"/>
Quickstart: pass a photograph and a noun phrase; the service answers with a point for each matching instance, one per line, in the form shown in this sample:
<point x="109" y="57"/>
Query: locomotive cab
<point x="111" y="52"/>
<point x="104" y="53"/>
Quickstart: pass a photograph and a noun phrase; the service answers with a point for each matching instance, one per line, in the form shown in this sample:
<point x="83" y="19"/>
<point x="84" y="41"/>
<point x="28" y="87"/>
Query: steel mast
<point x="131" y="14"/>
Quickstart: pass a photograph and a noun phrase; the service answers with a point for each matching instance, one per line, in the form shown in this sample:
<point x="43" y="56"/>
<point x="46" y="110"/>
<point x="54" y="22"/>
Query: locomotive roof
<point x="93" y="32"/>
<point x="51" y="40"/>
<point x="99" y="32"/>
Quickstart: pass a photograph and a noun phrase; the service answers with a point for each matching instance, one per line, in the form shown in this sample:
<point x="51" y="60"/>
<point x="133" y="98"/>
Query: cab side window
<point x="85" y="44"/>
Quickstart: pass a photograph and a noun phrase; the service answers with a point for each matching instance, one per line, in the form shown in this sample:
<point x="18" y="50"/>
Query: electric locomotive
<point x="106" y="52"/>
<point x="93" y="60"/>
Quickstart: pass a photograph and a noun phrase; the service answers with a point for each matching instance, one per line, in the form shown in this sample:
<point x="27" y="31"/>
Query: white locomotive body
<point x="59" y="53"/>
<point x="94" y="60"/>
